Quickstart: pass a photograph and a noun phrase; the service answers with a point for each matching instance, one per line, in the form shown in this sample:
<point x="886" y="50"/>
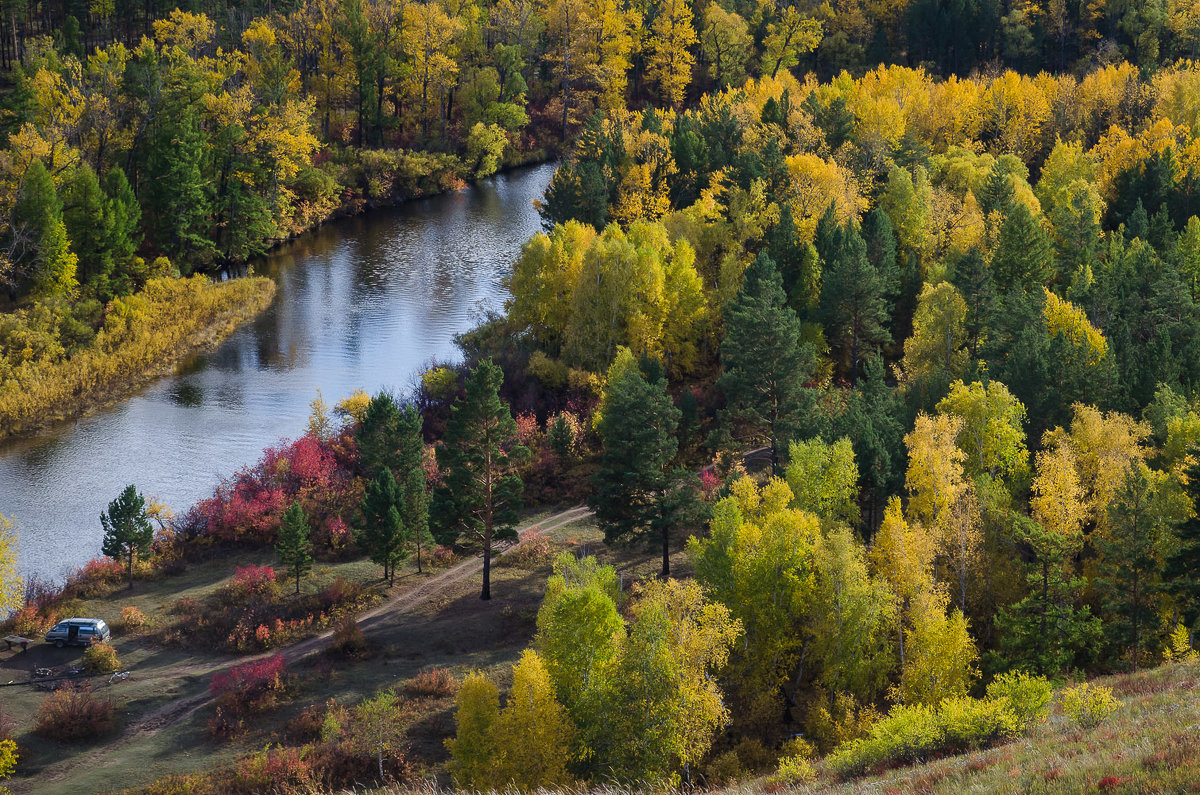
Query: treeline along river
<point x="362" y="303"/>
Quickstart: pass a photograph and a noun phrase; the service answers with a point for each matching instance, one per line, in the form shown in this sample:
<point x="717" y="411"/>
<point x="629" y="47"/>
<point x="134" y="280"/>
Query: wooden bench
<point x="23" y="642"/>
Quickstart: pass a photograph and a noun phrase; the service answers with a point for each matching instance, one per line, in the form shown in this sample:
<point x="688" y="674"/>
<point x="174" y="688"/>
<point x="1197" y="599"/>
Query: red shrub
<point x="432" y="683"/>
<point x="273" y="770"/>
<point x="252" y="581"/>
<point x="252" y="678"/>
<point x="709" y="483"/>
<point x="248" y="506"/>
<point x="73" y="714"/>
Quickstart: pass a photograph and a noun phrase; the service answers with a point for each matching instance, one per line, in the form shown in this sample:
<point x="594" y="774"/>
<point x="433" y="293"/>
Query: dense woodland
<point x="939" y="263"/>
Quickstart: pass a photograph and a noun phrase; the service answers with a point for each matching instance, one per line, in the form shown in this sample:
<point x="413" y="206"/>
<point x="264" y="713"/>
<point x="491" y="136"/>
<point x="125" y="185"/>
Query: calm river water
<point x="362" y="303"/>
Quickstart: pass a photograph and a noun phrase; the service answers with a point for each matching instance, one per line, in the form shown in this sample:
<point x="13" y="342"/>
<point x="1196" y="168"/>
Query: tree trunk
<point x="666" y="549"/>
<point x="131" y="569"/>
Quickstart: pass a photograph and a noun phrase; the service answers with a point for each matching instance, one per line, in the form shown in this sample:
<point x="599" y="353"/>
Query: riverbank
<point x="144" y="336"/>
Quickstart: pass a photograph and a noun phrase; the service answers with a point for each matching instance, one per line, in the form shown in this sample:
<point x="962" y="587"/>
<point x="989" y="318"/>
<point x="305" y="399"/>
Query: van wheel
<point x="58" y="644"/>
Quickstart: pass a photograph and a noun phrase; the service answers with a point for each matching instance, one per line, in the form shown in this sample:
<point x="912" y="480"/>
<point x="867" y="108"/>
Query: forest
<point x="934" y="266"/>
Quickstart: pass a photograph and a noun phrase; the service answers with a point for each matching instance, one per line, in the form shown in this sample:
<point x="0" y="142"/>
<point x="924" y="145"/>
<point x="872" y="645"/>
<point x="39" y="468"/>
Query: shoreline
<point x="220" y="328"/>
<point x="119" y="385"/>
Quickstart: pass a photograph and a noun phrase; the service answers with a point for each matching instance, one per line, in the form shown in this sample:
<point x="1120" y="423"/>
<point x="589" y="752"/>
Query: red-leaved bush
<point x="243" y="691"/>
<point x="251" y="679"/>
<point x="249" y="505"/>
<point x="252" y="581"/>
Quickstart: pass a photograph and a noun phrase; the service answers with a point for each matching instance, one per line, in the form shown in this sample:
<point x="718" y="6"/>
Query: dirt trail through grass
<point x="181" y="709"/>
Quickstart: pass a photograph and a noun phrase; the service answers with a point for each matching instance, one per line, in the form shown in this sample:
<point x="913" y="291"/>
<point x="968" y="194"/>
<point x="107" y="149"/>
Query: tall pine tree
<point x="636" y="489"/>
<point x="383" y="535"/>
<point x="481" y="490"/>
<point x="765" y="363"/>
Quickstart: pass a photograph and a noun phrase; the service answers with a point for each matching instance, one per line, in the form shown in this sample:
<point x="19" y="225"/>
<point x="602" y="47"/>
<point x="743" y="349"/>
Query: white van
<point x="78" y="632"/>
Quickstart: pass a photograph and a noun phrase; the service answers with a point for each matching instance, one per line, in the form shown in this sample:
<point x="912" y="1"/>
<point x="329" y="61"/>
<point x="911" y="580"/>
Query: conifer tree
<point x="294" y="543"/>
<point x="636" y="490"/>
<point x="124" y="222"/>
<point x="1131" y="565"/>
<point x="180" y="196"/>
<point x="127" y="530"/>
<point x="87" y="220"/>
<point x="1048" y="631"/>
<point x="383" y="535"/>
<point x="853" y="307"/>
<point x="766" y="364"/>
<point x="49" y="264"/>
<point x="1023" y="259"/>
<point x="481" y="491"/>
<point x="1182" y="570"/>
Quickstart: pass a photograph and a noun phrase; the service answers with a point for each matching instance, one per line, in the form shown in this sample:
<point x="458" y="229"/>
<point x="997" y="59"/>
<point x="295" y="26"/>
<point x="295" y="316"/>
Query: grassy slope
<point x="1150" y="744"/>
<point x="454" y="630"/>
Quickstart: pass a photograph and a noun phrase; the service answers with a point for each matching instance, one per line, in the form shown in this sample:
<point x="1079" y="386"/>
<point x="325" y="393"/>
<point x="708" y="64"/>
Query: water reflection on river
<point x="362" y="303"/>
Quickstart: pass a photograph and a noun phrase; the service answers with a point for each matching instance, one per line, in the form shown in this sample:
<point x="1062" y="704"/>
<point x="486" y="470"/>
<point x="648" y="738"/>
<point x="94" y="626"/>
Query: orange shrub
<point x="74" y="714"/>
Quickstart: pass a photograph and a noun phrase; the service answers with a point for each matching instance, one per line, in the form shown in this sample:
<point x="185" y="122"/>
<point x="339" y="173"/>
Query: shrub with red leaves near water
<point x="249" y="505"/>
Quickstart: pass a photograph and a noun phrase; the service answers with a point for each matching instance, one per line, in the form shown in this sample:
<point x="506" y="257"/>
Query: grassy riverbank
<point x="143" y="336"/>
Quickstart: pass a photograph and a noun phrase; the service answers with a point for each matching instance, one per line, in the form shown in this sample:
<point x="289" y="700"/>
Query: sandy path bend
<point x="181" y="709"/>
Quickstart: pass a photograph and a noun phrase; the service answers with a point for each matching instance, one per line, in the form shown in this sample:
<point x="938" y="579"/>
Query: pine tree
<point x="127" y="530"/>
<point x="853" y="307"/>
<point x="1130" y="570"/>
<point x="38" y="215"/>
<point x="1048" y="631"/>
<point x="481" y="491"/>
<point x="294" y="543"/>
<point x="1023" y="258"/>
<point x="636" y="491"/>
<point x="1182" y="571"/>
<point x="124" y="223"/>
<point x="87" y="223"/>
<point x="383" y="535"/>
<point x="766" y="364"/>
<point x="180" y="195"/>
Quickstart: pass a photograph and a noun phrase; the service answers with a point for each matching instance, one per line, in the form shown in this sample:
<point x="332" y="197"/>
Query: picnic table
<point x="23" y="642"/>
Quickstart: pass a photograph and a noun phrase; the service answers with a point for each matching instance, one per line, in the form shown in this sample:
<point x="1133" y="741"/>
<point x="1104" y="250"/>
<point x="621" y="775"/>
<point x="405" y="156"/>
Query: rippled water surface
<point x="362" y="303"/>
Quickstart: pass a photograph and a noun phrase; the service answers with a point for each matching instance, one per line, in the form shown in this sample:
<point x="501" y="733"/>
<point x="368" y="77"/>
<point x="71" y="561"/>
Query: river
<point x="362" y="303"/>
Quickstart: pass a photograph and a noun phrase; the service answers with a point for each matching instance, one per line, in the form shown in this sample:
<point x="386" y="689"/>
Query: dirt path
<point x="181" y="709"/>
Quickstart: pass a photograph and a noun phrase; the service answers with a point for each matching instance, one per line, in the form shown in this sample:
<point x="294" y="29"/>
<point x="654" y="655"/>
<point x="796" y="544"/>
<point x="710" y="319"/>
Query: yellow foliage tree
<point x="533" y="732"/>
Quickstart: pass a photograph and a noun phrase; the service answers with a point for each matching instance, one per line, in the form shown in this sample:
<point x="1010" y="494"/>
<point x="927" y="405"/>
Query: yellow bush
<point x="141" y="333"/>
<point x="132" y="619"/>
<point x="101" y="658"/>
<point x="1087" y="705"/>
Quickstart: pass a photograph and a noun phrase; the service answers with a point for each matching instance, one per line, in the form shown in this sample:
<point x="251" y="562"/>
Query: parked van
<point x="78" y="632"/>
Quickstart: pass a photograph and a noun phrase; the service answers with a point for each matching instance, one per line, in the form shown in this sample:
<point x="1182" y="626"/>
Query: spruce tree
<point x="124" y="222"/>
<point x="378" y="435"/>
<point x="853" y="307"/>
<point x="383" y="534"/>
<point x="636" y="489"/>
<point x="127" y="530"/>
<point x="765" y="363"/>
<point x="294" y="543"/>
<point x="180" y="195"/>
<point x="1023" y="258"/>
<point x="87" y="221"/>
<point x="411" y="482"/>
<point x="481" y="490"/>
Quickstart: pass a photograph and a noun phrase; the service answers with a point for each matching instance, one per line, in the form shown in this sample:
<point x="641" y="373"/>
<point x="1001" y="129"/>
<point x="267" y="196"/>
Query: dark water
<point x="363" y="303"/>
